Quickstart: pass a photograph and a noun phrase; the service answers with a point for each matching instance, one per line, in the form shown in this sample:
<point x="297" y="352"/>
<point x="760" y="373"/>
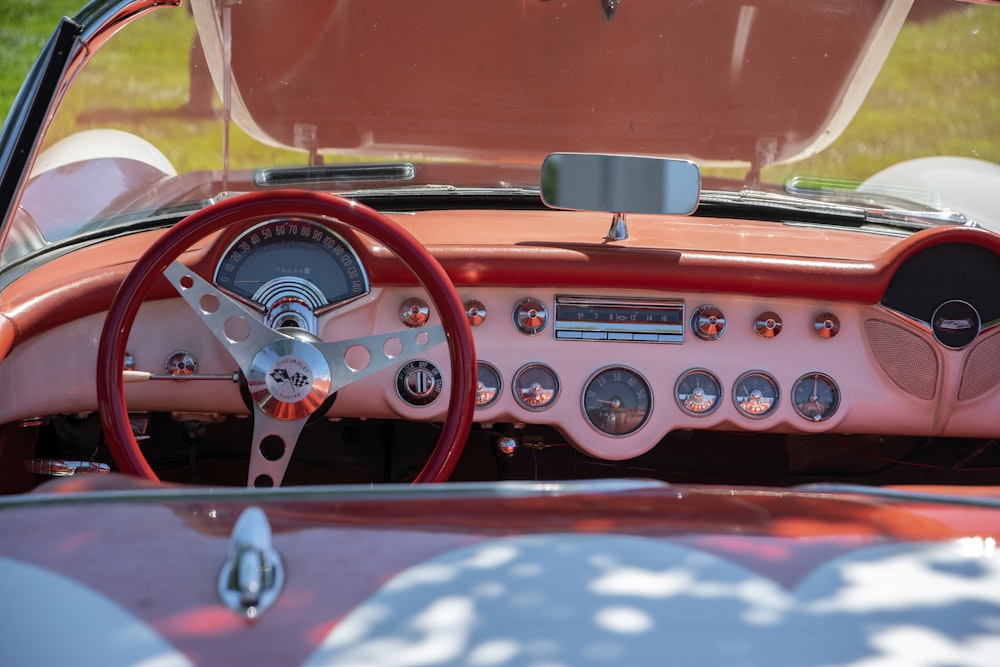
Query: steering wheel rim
<point x="154" y="262"/>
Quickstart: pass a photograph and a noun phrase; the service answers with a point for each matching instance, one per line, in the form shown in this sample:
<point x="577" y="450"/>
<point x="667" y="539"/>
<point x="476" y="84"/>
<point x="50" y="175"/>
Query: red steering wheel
<point x="280" y="411"/>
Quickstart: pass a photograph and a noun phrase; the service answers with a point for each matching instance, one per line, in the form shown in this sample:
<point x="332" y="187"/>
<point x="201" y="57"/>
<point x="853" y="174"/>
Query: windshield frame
<point x="76" y="41"/>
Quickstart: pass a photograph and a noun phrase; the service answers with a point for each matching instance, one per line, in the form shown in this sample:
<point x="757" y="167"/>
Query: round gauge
<point x="535" y="387"/>
<point x="487" y="384"/>
<point x="697" y="392"/>
<point x="617" y="401"/>
<point x="756" y="394"/>
<point x="290" y="250"/>
<point x="815" y="396"/>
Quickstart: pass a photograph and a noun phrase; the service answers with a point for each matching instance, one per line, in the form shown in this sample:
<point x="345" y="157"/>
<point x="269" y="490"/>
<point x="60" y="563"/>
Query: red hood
<point x="579" y="568"/>
<point x="717" y="81"/>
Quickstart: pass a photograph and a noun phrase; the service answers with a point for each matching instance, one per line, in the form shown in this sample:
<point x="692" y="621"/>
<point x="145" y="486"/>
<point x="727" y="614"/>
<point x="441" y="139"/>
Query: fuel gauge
<point x="815" y="396"/>
<point x="756" y="394"/>
<point x="487" y="384"/>
<point x="697" y="392"/>
<point x="535" y="387"/>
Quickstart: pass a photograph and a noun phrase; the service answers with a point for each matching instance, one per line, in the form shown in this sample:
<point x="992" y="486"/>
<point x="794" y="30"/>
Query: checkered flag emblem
<point x="298" y="380"/>
<point x="280" y="375"/>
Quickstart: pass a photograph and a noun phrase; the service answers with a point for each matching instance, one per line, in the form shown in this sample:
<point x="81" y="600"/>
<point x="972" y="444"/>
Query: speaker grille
<point x="982" y="369"/>
<point x="906" y="358"/>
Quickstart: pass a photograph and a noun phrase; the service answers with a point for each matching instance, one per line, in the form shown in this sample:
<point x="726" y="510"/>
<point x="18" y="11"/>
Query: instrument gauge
<point x="617" y="401"/>
<point x="697" y="392"/>
<point x="756" y="394"/>
<point x="286" y="256"/>
<point x="488" y="384"/>
<point x="535" y="387"/>
<point x="815" y="396"/>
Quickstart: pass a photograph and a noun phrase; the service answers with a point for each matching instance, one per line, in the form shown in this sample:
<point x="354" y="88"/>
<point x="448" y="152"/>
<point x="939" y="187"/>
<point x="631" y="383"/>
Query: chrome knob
<point x="826" y="325"/>
<point x="530" y="316"/>
<point x="708" y="323"/>
<point x="476" y="312"/>
<point x="767" y="324"/>
<point x="414" y="313"/>
<point x="180" y="362"/>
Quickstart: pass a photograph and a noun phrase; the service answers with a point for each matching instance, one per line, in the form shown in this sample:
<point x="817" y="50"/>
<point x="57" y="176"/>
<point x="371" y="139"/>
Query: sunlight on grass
<point x="954" y="51"/>
<point x="148" y="62"/>
<point x="25" y="25"/>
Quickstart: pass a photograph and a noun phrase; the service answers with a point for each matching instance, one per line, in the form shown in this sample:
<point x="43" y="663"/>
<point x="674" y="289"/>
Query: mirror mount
<point x="618" y="230"/>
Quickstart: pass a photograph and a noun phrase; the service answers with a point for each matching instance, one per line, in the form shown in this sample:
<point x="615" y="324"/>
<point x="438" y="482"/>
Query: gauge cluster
<point x="673" y="361"/>
<point x="627" y="370"/>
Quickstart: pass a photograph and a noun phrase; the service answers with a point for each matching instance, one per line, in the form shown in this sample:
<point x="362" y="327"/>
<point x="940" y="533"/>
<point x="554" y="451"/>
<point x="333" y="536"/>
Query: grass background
<point x="25" y="25"/>
<point x="942" y="53"/>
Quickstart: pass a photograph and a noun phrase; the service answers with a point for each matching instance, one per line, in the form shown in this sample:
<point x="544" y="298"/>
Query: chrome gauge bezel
<point x="768" y="381"/>
<point x="497" y="391"/>
<point x="515" y="386"/>
<point x="681" y="401"/>
<point x="328" y="238"/>
<point x="632" y="382"/>
<point x="828" y="407"/>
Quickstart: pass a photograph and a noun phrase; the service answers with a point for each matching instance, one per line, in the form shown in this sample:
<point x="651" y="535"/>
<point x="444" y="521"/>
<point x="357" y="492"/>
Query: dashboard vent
<point x="906" y="358"/>
<point x="982" y="369"/>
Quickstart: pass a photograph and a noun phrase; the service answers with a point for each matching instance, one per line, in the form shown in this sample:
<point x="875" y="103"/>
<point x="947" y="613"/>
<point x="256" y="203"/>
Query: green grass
<point x="956" y="51"/>
<point x="149" y="61"/>
<point x="25" y="26"/>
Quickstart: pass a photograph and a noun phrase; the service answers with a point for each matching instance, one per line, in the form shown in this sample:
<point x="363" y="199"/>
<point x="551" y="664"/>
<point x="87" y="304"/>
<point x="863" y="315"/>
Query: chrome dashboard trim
<point x="617" y="319"/>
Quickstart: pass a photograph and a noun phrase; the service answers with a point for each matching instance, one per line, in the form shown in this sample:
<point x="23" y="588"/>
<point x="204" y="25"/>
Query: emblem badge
<point x="289" y="380"/>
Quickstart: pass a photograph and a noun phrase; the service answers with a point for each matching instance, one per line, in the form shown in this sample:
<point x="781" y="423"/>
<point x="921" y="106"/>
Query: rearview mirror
<point x="620" y="183"/>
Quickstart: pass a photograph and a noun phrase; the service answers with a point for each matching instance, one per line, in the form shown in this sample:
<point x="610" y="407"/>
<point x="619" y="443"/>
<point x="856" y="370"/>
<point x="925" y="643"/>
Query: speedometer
<point x="292" y="251"/>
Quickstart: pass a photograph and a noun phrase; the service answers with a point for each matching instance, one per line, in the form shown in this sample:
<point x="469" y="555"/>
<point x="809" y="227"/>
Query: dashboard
<point x="615" y="371"/>
<point x="654" y="344"/>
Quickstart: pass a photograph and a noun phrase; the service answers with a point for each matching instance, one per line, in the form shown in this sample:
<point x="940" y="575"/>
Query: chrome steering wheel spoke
<point x="274" y="440"/>
<point x="233" y="324"/>
<point x="356" y="358"/>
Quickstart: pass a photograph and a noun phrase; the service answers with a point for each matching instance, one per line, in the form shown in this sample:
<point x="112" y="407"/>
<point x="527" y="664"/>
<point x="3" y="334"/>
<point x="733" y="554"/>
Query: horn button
<point x="288" y="379"/>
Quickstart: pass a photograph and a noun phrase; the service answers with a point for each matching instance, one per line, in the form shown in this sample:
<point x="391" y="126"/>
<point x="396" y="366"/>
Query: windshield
<point x="812" y="99"/>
